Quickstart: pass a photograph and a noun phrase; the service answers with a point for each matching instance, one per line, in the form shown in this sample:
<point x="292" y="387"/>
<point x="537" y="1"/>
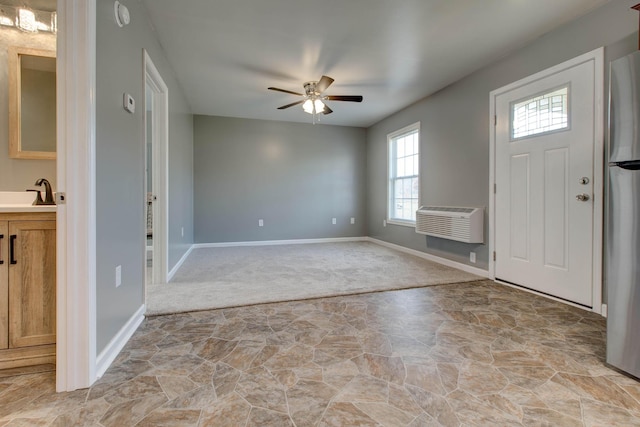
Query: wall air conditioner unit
<point x="453" y="223"/>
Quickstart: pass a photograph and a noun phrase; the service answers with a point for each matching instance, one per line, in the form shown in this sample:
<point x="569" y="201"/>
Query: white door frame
<point x="597" y="56"/>
<point x="160" y="168"/>
<point x="76" y="172"/>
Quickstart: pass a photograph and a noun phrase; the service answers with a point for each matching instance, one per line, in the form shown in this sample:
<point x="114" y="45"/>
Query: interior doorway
<point x="156" y="170"/>
<point x="150" y="197"/>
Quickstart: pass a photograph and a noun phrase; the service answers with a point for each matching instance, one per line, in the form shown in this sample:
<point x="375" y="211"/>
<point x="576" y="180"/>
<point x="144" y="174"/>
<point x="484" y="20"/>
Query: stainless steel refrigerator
<point x="623" y="217"/>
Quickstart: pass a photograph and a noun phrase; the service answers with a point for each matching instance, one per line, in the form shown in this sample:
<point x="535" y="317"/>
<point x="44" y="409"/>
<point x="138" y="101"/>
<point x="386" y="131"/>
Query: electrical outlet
<point x="260" y="223"/>
<point x="472" y="257"/>
<point x="182" y="231"/>
<point x="334" y="221"/>
<point x="353" y="220"/>
<point x="384" y="222"/>
<point x="118" y="276"/>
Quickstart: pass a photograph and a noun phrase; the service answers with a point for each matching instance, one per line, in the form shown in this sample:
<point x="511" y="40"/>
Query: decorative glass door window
<point x="544" y="113"/>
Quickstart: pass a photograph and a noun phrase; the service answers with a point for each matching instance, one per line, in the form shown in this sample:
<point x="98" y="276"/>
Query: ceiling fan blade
<point x="285" y="91"/>
<point x="327" y="110"/>
<point x="350" y="98"/>
<point x="291" y="105"/>
<point x="323" y="84"/>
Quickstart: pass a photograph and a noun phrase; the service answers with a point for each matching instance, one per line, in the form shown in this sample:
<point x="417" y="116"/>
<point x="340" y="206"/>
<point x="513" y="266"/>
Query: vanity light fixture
<point x="5" y="19"/>
<point x="28" y="20"/>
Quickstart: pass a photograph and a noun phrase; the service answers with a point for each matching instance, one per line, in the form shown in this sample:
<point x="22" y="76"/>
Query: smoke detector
<point x="122" y="14"/>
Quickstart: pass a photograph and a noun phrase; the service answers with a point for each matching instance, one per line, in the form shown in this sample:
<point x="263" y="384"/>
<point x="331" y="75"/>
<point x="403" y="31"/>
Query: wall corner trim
<point x="449" y="263"/>
<point x="115" y="346"/>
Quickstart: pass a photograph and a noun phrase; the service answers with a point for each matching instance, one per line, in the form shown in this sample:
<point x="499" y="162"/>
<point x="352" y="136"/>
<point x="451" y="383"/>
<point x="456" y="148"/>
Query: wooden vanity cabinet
<point x="4" y="285"/>
<point x="28" y="288"/>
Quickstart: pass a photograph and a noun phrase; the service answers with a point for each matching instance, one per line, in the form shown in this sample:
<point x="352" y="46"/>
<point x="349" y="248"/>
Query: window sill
<point x="411" y="224"/>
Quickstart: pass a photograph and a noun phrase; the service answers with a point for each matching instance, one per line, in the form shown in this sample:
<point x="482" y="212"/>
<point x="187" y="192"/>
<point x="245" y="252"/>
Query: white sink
<point x="17" y="197"/>
<point x="21" y="201"/>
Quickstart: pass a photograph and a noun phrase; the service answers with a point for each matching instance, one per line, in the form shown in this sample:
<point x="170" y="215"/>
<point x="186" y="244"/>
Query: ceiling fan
<point x="313" y="100"/>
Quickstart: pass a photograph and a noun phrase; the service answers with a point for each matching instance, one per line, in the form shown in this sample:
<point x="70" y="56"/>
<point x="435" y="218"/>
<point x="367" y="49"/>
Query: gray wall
<point x="180" y="173"/>
<point x="296" y="177"/>
<point x="19" y="174"/>
<point x="120" y="142"/>
<point x="455" y="127"/>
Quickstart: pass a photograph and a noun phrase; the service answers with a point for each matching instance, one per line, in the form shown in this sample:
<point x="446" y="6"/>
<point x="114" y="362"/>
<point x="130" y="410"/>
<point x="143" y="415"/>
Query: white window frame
<point x="390" y="138"/>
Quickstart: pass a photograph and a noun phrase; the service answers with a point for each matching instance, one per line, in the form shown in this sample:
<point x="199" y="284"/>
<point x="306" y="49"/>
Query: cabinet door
<point x="4" y="285"/>
<point x="32" y="283"/>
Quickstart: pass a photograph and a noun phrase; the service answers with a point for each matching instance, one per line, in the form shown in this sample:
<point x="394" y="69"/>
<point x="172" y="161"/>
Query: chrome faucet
<point x="48" y="198"/>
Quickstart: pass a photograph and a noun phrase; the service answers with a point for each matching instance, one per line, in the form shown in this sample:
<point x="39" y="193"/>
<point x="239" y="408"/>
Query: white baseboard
<point x="115" y="346"/>
<point x="280" y="242"/>
<point x="460" y="266"/>
<point x="176" y="267"/>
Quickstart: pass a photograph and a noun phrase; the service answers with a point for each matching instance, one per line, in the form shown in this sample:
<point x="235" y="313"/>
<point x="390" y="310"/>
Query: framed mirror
<point x="32" y="103"/>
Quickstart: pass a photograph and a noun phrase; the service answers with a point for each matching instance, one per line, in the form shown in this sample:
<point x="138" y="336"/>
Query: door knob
<point x="582" y="197"/>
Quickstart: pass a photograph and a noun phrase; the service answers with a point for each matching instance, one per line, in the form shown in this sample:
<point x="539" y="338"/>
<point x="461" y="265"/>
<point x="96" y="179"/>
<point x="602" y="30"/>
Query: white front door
<point x="544" y="163"/>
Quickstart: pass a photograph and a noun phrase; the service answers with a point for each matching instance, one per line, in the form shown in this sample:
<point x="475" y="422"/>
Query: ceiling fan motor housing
<point x="310" y="88"/>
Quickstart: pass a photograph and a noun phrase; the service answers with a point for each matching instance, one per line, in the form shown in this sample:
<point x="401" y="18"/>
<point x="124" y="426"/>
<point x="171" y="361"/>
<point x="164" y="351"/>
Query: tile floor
<point x="475" y="354"/>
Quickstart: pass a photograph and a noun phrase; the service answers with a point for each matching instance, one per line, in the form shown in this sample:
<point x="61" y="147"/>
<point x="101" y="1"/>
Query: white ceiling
<point x="226" y="53"/>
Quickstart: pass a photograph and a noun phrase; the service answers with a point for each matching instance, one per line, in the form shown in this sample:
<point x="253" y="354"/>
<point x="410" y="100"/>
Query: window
<point x="541" y="114"/>
<point x="404" y="175"/>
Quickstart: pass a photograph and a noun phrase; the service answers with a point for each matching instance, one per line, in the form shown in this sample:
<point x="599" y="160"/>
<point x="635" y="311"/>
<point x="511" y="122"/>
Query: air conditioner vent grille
<point x="447" y="209"/>
<point x="454" y="223"/>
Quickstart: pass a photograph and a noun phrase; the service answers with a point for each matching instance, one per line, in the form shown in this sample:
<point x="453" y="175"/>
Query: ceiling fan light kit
<point x="313" y="106"/>
<point x="312" y="101"/>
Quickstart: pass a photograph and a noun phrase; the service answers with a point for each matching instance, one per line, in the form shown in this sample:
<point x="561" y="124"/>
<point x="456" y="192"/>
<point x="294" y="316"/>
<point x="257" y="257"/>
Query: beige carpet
<point x="228" y="277"/>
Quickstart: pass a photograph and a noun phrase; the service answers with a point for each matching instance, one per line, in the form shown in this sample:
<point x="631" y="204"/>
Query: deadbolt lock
<point x="584" y="180"/>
